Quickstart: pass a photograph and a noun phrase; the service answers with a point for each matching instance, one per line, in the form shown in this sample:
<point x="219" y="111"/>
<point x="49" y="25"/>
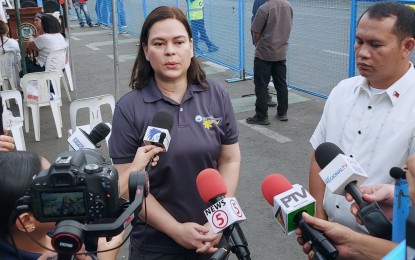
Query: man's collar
<point x="396" y="90"/>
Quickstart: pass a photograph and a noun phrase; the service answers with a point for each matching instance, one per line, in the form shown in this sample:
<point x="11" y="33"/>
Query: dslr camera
<point x="79" y="186"/>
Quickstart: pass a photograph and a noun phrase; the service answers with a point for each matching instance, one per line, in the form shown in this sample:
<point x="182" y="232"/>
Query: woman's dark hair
<point x="50" y="24"/>
<point x="17" y="169"/>
<point x="142" y="70"/>
<point x="405" y="17"/>
<point x="4" y="29"/>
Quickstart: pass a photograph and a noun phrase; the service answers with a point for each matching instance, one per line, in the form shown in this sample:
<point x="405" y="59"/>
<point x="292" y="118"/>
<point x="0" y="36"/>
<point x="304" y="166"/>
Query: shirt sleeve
<point x="124" y="140"/>
<point x="259" y="21"/>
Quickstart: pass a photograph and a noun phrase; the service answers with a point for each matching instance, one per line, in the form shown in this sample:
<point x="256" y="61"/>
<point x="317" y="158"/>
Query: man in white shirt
<point x="371" y="117"/>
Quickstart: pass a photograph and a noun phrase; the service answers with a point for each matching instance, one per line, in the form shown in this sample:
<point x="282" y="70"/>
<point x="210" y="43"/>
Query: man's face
<point x="380" y="56"/>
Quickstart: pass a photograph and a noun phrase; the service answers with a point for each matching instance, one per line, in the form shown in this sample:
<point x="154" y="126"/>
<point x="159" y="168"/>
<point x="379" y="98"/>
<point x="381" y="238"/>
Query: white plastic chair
<point x="14" y="124"/>
<point x="8" y="69"/>
<point x="67" y="70"/>
<point x="56" y="62"/>
<point x="95" y="116"/>
<point x="36" y="89"/>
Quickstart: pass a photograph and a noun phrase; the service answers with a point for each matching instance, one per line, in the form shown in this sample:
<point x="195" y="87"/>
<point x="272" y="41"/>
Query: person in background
<point x="197" y="23"/>
<point x="81" y="6"/>
<point x="37" y="22"/>
<point x="167" y="77"/>
<point x="9" y="44"/>
<point x="361" y="114"/>
<point x="51" y="40"/>
<point x="255" y="7"/>
<point x="271" y="28"/>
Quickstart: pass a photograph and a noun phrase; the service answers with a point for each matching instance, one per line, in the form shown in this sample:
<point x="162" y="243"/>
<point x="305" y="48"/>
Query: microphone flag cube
<point x="224" y="213"/>
<point x="78" y="140"/>
<point x="153" y="136"/>
<point x="341" y="171"/>
<point x="290" y="203"/>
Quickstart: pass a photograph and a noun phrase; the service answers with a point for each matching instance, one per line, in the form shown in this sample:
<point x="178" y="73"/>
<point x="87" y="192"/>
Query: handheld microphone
<point x="289" y="201"/>
<point x="81" y="140"/>
<point x="224" y="214"/>
<point x="343" y="174"/>
<point x="158" y="133"/>
<point x="401" y="204"/>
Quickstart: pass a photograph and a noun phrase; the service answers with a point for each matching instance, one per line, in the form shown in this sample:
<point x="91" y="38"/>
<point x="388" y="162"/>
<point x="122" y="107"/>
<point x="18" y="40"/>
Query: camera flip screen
<point x="56" y="205"/>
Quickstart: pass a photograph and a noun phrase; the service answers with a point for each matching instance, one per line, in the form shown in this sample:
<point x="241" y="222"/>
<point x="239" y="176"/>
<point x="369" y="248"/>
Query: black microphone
<point x="82" y="140"/>
<point x="347" y="173"/>
<point x="98" y="133"/>
<point x="212" y="189"/>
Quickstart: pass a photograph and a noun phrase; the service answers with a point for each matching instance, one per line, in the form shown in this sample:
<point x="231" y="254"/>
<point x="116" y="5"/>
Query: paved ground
<point x="281" y="147"/>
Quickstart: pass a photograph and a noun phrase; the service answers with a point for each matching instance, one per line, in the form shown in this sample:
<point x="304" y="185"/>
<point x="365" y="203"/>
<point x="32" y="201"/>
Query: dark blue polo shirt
<point x="202" y="123"/>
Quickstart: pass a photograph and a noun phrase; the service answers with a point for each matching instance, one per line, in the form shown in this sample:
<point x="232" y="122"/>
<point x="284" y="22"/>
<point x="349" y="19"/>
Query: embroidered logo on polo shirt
<point x="208" y="121"/>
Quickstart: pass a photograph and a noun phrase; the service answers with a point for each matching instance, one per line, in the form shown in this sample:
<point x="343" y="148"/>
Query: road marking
<point x="123" y="58"/>
<point x="267" y="132"/>
<point x="337" y="53"/>
<point x="75" y="38"/>
<point x="248" y="103"/>
<point x="94" y="46"/>
<point x="89" y="33"/>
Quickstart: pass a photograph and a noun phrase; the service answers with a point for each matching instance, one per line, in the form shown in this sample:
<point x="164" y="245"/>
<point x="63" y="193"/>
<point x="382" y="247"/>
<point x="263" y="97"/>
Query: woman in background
<point x="51" y="40"/>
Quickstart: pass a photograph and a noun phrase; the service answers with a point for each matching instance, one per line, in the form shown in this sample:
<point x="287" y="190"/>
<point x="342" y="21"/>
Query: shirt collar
<point x="151" y="93"/>
<point x="394" y="92"/>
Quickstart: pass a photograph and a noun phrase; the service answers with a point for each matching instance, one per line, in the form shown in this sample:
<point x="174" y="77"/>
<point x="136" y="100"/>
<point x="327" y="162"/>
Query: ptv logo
<point x="294" y="198"/>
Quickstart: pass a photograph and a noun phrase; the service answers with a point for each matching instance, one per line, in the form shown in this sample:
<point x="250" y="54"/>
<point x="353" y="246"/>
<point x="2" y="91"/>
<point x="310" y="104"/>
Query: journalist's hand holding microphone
<point x="383" y="194"/>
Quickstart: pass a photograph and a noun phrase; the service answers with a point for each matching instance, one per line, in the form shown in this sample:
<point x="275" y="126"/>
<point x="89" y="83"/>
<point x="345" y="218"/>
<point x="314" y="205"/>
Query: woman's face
<point x="169" y="50"/>
<point x="38" y="24"/>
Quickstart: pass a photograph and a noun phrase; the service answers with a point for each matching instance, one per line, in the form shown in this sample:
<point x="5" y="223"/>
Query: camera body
<point x="79" y="186"/>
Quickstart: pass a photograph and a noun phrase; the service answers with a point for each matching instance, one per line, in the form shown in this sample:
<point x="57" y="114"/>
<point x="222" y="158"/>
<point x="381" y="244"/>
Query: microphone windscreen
<point x="99" y="132"/>
<point x="210" y="184"/>
<point x="397" y="173"/>
<point x="163" y="119"/>
<point x="273" y="185"/>
<point x="326" y="152"/>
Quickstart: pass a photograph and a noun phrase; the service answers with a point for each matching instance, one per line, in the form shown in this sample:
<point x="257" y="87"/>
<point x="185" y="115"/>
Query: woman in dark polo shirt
<point x="167" y="77"/>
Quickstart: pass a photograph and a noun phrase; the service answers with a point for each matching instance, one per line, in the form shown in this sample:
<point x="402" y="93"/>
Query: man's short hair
<point x="405" y="17"/>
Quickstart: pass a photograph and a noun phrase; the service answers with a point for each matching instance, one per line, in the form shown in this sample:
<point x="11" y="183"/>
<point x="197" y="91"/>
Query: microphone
<point x="224" y="214"/>
<point x="158" y="133"/>
<point x="343" y="174"/>
<point x="81" y="140"/>
<point x="289" y="201"/>
<point x="401" y="204"/>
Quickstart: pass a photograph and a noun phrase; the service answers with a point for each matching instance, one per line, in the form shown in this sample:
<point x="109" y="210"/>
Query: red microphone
<point x="224" y="214"/>
<point x="289" y="201"/>
<point x="211" y="186"/>
<point x="273" y="185"/>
